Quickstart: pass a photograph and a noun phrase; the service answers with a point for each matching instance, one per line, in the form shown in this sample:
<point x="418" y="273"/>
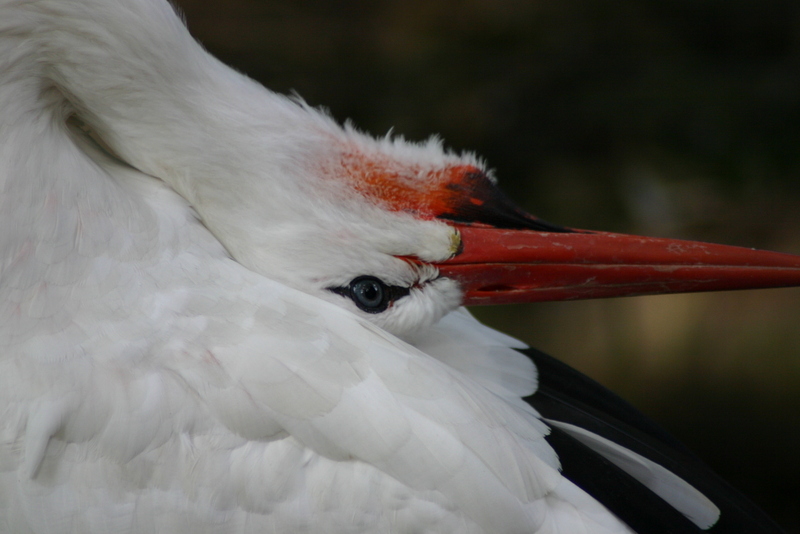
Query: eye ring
<point x="371" y="294"/>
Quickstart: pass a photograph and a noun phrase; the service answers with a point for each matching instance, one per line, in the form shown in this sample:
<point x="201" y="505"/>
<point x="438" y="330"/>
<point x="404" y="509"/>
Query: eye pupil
<point x="369" y="294"/>
<point x="369" y="291"/>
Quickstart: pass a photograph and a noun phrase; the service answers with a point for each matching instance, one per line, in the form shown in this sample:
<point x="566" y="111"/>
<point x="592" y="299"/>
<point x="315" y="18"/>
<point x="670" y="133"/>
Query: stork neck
<point x="153" y="96"/>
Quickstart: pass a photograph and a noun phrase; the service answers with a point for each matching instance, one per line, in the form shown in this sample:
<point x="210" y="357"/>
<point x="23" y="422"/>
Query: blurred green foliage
<point x="676" y="117"/>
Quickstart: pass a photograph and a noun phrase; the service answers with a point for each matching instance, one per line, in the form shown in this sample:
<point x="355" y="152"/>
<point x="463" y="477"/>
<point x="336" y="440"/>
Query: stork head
<point x="397" y="232"/>
<point x="360" y="222"/>
<point x="401" y="233"/>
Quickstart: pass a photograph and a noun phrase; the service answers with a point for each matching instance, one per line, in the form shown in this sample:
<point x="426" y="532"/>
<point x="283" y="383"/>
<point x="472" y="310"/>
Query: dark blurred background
<point x="676" y="118"/>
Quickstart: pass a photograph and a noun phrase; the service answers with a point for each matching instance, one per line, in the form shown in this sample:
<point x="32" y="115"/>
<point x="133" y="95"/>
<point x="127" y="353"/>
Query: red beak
<point x="499" y="266"/>
<point x="508" y="255"/>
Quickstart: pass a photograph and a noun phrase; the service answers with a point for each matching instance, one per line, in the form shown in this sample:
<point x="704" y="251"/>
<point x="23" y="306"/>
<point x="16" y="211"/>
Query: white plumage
<point x="172" y="359"/>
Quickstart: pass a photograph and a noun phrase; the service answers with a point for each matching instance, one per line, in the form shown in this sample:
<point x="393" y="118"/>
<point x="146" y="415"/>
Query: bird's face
<point x="402" y="233"/>
<point x="358" y="222"/>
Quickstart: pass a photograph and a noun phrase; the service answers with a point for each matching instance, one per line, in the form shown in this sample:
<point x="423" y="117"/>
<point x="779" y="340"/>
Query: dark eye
<point x="371" y="294"/>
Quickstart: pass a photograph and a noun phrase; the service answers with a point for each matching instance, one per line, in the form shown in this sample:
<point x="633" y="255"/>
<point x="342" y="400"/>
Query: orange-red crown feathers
<point x="459" y="192"/>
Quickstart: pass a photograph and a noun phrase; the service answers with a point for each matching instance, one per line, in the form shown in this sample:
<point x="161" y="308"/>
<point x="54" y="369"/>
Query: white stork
<point x="222" y="312"/>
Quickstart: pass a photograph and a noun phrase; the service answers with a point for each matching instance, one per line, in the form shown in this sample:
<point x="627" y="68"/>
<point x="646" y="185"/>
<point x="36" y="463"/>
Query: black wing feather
<point x="638" y="507"/>
<point x="568" y="396"/>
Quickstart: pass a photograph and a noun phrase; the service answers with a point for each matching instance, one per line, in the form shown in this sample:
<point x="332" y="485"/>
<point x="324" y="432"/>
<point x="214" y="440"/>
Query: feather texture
<point x="151" y="383"/>
<point x="172" y="358"/>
